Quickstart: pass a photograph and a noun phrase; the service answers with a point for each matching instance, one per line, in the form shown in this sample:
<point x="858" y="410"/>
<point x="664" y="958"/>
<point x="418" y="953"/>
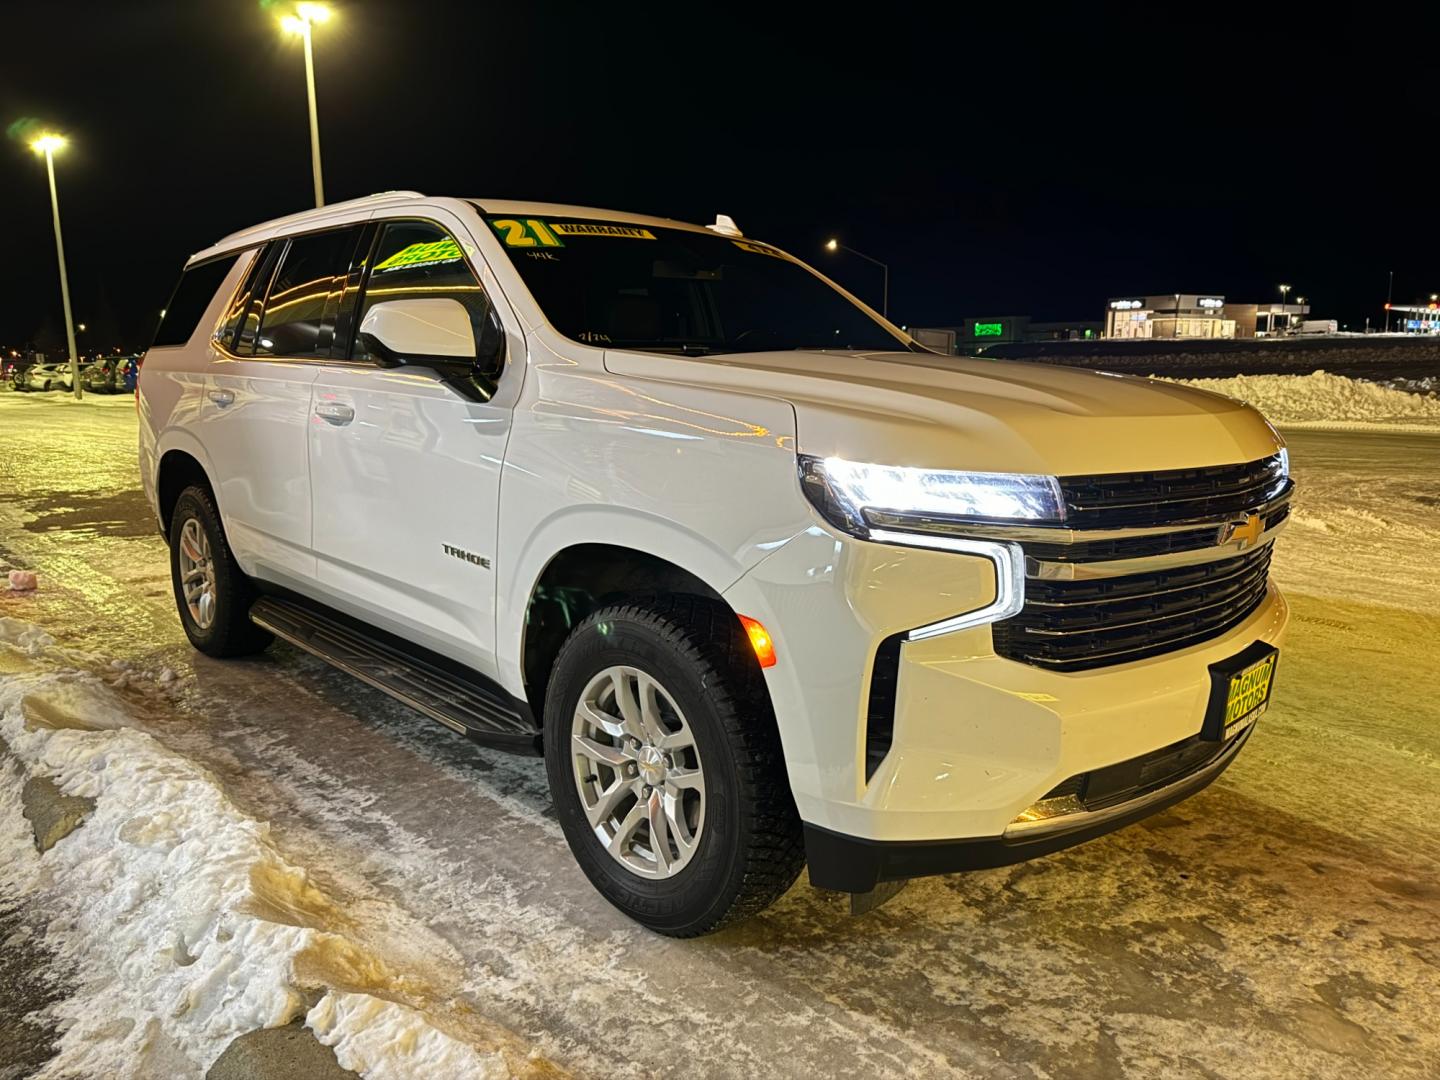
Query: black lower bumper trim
<point x="855" y="864"/>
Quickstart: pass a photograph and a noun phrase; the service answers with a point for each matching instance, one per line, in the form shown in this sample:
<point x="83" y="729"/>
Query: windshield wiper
<point x="683" y="348"/>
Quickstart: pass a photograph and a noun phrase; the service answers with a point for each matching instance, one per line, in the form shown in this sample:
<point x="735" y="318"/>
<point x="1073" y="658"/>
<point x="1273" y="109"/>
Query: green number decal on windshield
<point x="528" y="233"/>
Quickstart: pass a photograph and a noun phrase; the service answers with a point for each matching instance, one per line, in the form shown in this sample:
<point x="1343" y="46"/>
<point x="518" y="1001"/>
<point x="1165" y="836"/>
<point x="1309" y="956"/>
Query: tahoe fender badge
<point x="461" y="553"/>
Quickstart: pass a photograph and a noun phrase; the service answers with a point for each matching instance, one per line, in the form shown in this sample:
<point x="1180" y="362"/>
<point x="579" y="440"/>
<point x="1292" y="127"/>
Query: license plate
<point x="1239" y="691"/>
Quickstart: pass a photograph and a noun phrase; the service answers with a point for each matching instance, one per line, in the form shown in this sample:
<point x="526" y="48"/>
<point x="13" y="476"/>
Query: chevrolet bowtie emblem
<point x="1244" y="534"/>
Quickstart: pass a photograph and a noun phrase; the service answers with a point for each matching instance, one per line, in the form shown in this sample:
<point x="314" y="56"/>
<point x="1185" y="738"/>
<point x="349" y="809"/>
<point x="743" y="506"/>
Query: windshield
<point x="671" y="290"/>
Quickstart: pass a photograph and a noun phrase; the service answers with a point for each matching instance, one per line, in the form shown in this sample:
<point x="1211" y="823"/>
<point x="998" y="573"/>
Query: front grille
<point x="1136" y="547"/>
<point x="1089" y="623"/>
<point x="1123" y="500"/>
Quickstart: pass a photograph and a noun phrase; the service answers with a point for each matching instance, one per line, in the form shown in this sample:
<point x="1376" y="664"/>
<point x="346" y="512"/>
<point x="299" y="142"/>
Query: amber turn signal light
<point x="759" y="640"/>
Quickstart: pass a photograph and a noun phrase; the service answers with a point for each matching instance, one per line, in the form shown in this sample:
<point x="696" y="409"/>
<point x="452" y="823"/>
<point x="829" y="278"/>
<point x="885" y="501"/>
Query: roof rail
<point x="379" y="197"/>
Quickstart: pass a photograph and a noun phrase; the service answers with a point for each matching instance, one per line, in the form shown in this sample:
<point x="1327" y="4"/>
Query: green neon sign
<point x="988" y="329"/>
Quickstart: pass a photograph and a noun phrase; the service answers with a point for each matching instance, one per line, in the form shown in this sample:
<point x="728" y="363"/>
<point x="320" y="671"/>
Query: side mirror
<point x="432" y="331"/>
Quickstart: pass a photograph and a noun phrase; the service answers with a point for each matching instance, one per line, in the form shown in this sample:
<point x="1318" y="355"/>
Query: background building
<point x="982" y="330"/>
<point x="1172" y="315"/>
<point x="1198" y="315"/>
<point x="1266" y="320"/>
<point x="1415" y="318"/>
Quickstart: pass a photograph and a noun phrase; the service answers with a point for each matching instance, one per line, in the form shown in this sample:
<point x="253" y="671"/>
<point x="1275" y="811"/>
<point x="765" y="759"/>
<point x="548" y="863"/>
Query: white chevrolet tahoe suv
<point x="765" y="582"/>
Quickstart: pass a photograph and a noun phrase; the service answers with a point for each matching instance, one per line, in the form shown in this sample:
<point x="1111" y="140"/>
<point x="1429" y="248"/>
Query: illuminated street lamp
<point x="305" y="17"/>
<point x="1283" y="290"/>
<point x="47" y="144"/>
<point x="835" y="245"/>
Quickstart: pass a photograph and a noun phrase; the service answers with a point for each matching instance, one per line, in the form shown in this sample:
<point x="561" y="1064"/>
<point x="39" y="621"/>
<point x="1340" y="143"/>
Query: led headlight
<point x="856" y="497"/>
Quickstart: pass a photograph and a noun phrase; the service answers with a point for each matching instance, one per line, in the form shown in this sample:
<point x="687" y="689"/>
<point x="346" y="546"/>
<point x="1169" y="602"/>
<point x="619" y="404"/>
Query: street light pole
<point x="1284" y="289"/>
<point x="835" y="245"/>
<point x="305" y="17"/>
<point x="1389" y="297"/>
<point x="47" y="145"/>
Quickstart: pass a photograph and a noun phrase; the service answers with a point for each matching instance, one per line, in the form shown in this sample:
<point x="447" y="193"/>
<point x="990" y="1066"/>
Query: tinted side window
<point x="419" y="259"/>
<point x="191" y="297"/>
<point x="252" y="299"/>
<point x="294" y="320"/>
<point x="244" y="295"/>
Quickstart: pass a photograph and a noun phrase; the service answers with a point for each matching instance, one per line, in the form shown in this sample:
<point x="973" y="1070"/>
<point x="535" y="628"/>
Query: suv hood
<point x="952" y="412"/>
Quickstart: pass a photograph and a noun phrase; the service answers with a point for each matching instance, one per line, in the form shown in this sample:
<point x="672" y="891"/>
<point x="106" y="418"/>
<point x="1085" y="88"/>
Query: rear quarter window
<point x="191" y="298"/>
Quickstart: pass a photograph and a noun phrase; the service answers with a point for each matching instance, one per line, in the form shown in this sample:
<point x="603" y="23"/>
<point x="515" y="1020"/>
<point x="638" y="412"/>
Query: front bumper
<point x="977" y="739"/>
<point x="856" y="864"/>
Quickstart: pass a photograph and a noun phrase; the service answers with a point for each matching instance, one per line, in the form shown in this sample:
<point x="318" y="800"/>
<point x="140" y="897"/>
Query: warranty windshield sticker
<point x="529" y="233"/>
<point x="595" y="228"/>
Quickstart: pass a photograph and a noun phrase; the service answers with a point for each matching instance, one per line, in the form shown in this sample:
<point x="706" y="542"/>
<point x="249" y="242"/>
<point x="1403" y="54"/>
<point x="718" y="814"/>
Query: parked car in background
<point x="46" y="376"/>
<point x="110" y="375"/>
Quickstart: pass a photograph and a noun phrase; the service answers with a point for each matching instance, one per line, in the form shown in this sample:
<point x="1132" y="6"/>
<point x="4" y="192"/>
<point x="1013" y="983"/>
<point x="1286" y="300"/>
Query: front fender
<point x="701" y="555"/>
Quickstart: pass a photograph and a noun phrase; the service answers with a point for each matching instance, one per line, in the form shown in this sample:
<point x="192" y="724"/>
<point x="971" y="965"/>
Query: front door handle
<point x="222" y="397"/>
<point x="335" y="413"/>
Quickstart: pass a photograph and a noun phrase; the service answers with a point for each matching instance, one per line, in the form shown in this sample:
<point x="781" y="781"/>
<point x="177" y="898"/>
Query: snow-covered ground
<point x="182" y="923"/>
<point x="271" y="839"/>
<point x="1323" y="401"/>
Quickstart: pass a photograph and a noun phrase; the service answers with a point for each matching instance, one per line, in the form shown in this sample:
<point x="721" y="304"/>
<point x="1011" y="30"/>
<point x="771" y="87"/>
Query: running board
<point x="442" y="689"/>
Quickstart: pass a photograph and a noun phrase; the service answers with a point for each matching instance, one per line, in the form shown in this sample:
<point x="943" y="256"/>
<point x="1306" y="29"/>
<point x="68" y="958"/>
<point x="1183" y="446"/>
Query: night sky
<point x="1030" y="164"/>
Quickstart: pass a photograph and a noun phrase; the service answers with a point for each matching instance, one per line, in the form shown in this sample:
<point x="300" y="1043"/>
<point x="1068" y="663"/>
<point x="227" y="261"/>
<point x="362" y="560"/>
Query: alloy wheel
<point x="638" y="772"/>
<point x="197" y="573"/>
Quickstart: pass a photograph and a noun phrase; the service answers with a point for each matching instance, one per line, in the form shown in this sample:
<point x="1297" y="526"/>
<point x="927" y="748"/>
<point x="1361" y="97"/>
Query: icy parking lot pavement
<point x="1284" y="923"/>
<point x="182" y="925"/>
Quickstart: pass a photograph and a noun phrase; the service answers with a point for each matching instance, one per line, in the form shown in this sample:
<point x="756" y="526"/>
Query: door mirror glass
<point x="428" y="331"/>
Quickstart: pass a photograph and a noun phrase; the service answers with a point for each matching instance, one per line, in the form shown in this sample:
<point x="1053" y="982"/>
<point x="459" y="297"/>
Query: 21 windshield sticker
<point x="527" y="233"/>
<point x="534" y="233"/>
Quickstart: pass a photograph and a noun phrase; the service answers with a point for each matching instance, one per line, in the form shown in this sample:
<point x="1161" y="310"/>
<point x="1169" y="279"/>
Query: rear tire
<point x="732" y="848"/>
<point x="212" y="593"/>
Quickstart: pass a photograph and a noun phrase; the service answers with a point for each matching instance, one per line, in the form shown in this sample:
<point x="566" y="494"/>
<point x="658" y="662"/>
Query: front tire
<point x="665" y="766"/>
<point x="212" y="593"/>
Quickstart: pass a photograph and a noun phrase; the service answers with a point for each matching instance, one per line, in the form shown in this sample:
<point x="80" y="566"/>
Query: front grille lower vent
<point x="1095" y="622"/>
<point x="880" y="714"/>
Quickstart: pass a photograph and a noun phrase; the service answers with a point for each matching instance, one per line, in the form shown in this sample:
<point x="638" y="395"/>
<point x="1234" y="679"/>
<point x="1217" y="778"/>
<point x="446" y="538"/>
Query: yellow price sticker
<point x="426" y="252"/>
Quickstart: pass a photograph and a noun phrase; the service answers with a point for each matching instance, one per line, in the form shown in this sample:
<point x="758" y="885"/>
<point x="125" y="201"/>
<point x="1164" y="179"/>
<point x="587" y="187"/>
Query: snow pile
<point x="391" y="1042"/>
<point x="26" y="637"/>
<point x="184" y="924"/>
<point x="1430" y="384"/>
<point x="1321" y="400"/>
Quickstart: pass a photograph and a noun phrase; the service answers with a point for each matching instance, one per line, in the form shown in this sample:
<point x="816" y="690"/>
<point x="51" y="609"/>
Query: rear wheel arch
<point x="177" y="471"/>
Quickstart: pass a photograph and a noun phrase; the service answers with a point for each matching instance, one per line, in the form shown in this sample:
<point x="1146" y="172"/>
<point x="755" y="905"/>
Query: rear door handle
<point x="222" y="397"/>
<point x="335" y="413"/>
